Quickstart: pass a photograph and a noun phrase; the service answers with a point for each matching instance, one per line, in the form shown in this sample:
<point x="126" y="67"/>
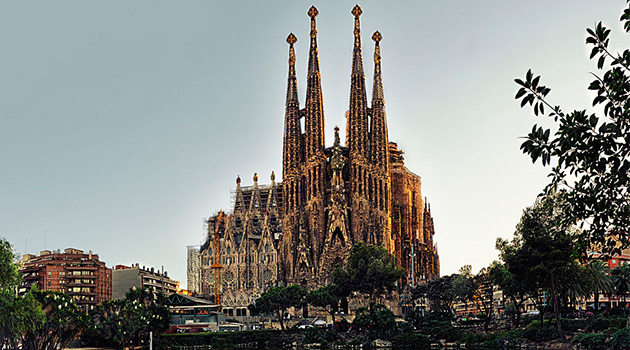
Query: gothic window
<point x="238" y="222"/>
<point x="255" y="221"/>
<point x="266" y="248"/>
<point x="303" y="189"/>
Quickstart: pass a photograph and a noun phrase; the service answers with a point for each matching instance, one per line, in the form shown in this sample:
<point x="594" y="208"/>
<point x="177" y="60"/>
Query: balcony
<point x="71" y="276"/>
<point x="82" y="293"/>
<point x="81" y="267"/>
<point x="80" y="284"/>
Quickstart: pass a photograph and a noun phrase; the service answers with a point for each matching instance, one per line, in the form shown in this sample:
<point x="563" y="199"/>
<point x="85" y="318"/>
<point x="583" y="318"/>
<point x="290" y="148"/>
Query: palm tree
<point x="599" y="279"/>
<point x="621" y="278"/>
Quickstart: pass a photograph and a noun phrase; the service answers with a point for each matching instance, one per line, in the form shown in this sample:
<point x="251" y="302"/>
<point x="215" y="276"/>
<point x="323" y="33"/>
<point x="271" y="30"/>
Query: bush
<point x="535" y="332"/>
<point x="602" y="323"/>
<point x="263" y="339"/>
<point x="575" y="325"/>
<point x="621" y="339"/>
<point x="591" y="340"/>
<point x="412" y="341"/>
<point x="343" y="325"/>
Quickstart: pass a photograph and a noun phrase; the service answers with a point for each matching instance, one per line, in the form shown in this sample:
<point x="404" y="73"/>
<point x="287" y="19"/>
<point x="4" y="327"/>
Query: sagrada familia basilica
<point x="330" y="198"/>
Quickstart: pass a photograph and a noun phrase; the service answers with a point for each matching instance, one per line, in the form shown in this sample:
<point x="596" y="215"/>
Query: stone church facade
<point x="296" y="231"/>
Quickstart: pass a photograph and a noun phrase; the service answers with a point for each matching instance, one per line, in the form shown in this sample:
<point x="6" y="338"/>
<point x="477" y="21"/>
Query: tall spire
<point x="379" y="142"/>
<point x="292" y="132"/>
<point x="358" y="116"/>
<point x="314" y="103"/>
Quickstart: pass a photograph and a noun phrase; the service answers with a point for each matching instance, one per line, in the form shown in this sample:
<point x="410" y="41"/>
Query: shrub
<point x="535" y="332"/>
<point x="591" y="340"/>
<point x="601" y="323"/>
<point x="621" y="339"/>
<point x="343" y="325"/>
<point x="412" y="341"/>
<point x="574" y="325"/>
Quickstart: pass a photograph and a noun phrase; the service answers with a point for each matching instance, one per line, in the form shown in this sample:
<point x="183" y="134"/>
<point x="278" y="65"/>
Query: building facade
<point x="330" y="198"/>
<point x="82" y="276"/>
<point x="134" y="276"/>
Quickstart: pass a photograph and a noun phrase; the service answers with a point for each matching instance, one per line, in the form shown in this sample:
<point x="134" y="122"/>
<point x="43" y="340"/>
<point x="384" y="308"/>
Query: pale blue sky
<point x="123" y="124"/>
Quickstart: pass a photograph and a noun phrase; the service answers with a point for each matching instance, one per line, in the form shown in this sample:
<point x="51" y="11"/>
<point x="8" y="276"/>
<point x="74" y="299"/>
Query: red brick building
<point x="82" y="276"/>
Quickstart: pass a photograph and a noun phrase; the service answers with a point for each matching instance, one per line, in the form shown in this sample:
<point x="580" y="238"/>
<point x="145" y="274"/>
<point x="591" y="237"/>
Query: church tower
<point x="304" y="165"/>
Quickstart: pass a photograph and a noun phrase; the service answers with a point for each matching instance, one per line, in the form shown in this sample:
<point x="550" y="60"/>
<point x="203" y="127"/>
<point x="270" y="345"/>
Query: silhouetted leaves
<point x="590" y="153"/>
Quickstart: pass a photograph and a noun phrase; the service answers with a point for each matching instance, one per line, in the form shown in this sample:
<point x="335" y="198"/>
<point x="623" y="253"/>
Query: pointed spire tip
<point x="312" y="12"/>
<point x="377" y="37"/>
<point x="356" y="11"/>
<point x="291" y="39"/>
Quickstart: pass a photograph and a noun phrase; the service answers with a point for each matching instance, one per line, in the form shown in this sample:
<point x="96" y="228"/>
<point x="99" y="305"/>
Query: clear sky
<point x="123" y="124"/>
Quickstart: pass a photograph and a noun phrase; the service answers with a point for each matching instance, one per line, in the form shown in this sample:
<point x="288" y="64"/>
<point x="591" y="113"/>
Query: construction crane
<point x="216" y="253"/>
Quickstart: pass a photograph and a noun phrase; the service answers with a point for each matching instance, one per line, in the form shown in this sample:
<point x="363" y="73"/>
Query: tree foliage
<point x="541" y="254"/>
<point x="371" y="270"/>
<point x="621" y="281"/>
<point x="327" y="297"/>
<point x="127" y="322"/>
<point x="63" y="321"/>
<point x="378" y="322"/>
<point x="9" y="275"/>
<point x="278" y="299"/>
<point x="590" y="151"/>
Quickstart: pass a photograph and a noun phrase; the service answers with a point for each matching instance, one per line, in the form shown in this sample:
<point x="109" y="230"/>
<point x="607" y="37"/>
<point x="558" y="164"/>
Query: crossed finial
<point x="312" y="12"/>
<point x="291" y="39"/>
<point x="356" y="11"/>
<point x="377" y="36"/>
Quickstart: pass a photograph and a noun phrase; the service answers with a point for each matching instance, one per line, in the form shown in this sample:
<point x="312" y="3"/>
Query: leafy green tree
<point x="64" y="321"/>
<point x="327" y="297"/>
<point x="541" y="252"/>
<point x="127" y="322"/>
<point x="599" y="279"/>
<point x="278" y="299"/>
<point x="513" y="288"/>
<point x="590" y="152"/>
<point x="371" y="270"/>
<point x="621" y="280"/>
<point x="20" y="315"/>
<point x="484" y="294"/>
<point x="439" y="293"/>
<point x="9" y="275"/>
<point x="378" y="322"/>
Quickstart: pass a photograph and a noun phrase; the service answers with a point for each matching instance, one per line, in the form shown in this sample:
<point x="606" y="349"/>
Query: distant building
<point x="194" y="269"/>
<point x="82" y="276"/>
<point x="126" y="277"/>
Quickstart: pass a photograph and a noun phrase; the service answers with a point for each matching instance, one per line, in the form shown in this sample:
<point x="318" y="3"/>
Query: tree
<point x="621" y="280"/>
<point x="541" y="252"/>
<point x="127" y="322"/>
<point x="378" y="322"/>
<point x="326" y="297"/>
<point x="483" y="296"/>
<point x="18" y="315"/>
<point x="64" y="321"/>
<point x="278" y="299"/>
<point x="9" y="275"/>
<point x="371" y="270"/>
<point x="590" y="152"/>
<point x="599" y="280"/>
<point x="439" y="293"/>
<point x="513" y="288"/>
